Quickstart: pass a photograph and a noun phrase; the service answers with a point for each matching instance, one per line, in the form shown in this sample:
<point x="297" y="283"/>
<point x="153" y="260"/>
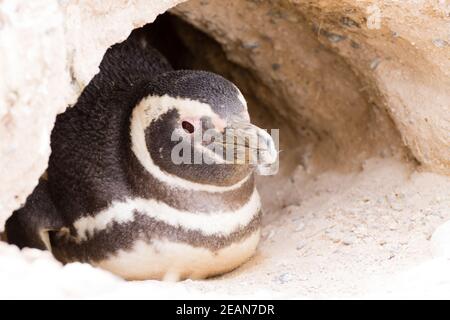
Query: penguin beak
<point x="258" y="145"/>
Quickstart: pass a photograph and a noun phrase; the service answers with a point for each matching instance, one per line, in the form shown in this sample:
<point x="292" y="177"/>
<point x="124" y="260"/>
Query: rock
<point x="49" y="50"/>
<point x="35" y="85"/>
<point x="283" y="278"/>
<point x="341" y="94"/>
<point x="334" y="38"/>
<point x="276" y="66"/>
<point x="440" y="43"/>
<point x="271" y="234"/>
<point x="374" y="64"/>
<point x="361" y="231"/>
<point x="300" y="227"/>
<point x="250" y="45"/>
<point x="348" y="240"/>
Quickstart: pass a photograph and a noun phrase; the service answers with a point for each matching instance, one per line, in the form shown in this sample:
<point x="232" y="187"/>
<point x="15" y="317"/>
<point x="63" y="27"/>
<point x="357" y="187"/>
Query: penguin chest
<point x="169" y="260"/>
<point x="146" y="239"/>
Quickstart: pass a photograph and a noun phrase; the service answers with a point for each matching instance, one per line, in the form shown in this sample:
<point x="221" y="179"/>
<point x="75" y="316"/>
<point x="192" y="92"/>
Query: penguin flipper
<point x="29" y="225"/>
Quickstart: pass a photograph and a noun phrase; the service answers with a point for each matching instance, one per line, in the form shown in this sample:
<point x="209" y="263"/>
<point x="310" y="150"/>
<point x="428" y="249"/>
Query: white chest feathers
<point x="167" y="260"/>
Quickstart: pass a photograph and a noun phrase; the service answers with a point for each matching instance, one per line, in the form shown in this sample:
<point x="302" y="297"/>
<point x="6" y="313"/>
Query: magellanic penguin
<point x="114" y="198"/>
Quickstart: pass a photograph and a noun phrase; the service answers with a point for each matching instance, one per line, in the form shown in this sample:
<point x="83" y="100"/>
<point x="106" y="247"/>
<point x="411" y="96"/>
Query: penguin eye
<point x="187" y="126"/>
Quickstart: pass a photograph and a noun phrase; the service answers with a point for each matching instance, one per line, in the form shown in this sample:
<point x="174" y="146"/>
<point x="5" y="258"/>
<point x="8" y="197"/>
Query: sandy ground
<point x="367" y="234"/>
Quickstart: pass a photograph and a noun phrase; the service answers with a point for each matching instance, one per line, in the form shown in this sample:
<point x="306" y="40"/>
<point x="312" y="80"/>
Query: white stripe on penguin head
<point x="222" y="222"/>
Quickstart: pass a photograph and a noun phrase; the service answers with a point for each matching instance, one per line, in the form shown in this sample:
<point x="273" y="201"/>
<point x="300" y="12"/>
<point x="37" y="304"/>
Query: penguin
<point x="113" y="196"/>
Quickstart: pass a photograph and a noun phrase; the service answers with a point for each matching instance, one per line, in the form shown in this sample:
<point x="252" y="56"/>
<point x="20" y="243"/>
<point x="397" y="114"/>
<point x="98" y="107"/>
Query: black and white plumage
<point x="114" y="198"/>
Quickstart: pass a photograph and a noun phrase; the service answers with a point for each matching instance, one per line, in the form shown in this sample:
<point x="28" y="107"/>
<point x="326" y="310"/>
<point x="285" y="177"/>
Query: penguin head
<point x="195" y="126"/>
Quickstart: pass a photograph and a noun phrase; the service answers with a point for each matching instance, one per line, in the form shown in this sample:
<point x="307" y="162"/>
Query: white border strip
<point x="218" y="223"/>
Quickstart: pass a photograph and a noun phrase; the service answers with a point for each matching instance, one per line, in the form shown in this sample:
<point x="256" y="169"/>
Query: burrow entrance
<point x="304" y="89"/>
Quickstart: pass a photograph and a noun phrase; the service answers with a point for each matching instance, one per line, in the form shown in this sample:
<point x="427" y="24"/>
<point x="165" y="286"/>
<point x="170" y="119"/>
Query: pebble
<point x="355" y="45"/>
<point x="282" y="264"/>
<point x="284" y="278"/>
<point x="250" y="45"/>
<point x="440" y="43"/>
<point x="395" y="205"/>
<point x="348" y="240"/>
<point x="291" y="209"/>
<point x="276" y="66"/>
<point x="361" y="231"/>
<point x="393" y="248"/>
<point x="335" y="38"/>
<point x="375" y="63"/>
<point x="300" y="227"/>
<point x="393" y="226"/>
<point x="349" y="22"/>
<point x="271" y="234"/>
